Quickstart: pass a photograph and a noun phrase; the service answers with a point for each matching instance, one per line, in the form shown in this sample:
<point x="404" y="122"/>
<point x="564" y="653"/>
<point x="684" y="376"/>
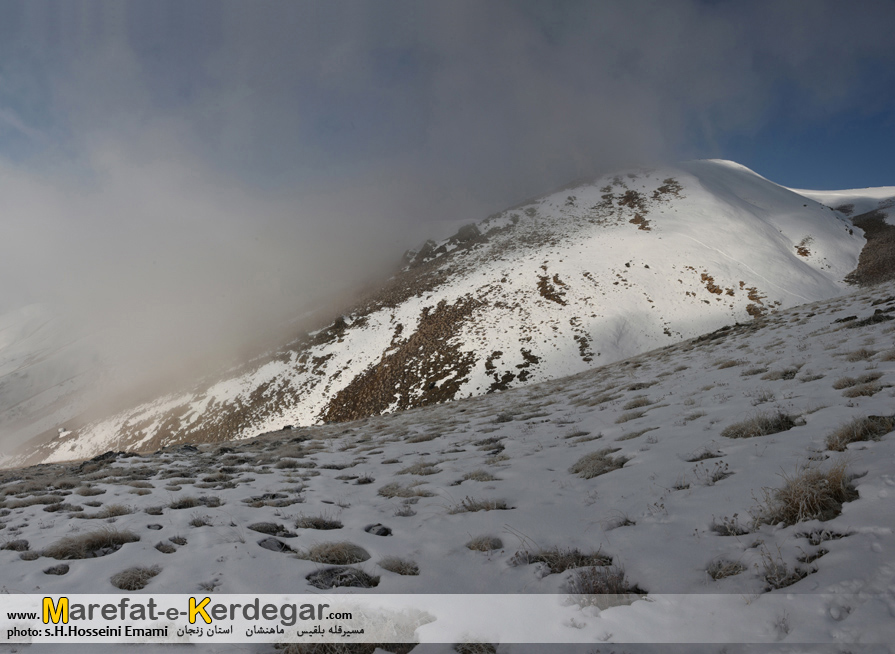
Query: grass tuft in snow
<point x="342" y="577"/>
<point x="479" y="475"/>
<point x="90" y="544"/>
<point x="399" y="566"/>
<point x="395" y="489"/>
<point x="761" y="424"/>
<point x="848" y="382"/>
<point x="87" y="491"/>
<point x="484" y="544"/>
<point x="601" y="586"/>
<point x="471" y="505"/>
<point x="729" y="526"/>
<point x="134" y="578"/>
<point x="810" y="494"/>
<point x="340" y="553"/>
<point x="185" y="503"/>
<point x="630" y="415"/>
<point x="317" y="522"/>
<point x="868" y="428"/>
<point x="777" y="573"/>
<point x="721" y="568"/>
<point x="108" y="511"/>
<point x="558" y="559"/>
<point x="863" y="390"/>
<point x="598" y="463"/>
<point x="19" y="545"/>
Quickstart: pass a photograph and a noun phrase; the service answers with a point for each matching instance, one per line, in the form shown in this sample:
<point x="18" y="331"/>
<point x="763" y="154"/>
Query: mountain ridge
<point x="580" y="277"/>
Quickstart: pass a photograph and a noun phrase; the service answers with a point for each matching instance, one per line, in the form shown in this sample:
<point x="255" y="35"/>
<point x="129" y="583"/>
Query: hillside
<point x="735" y="488"/>
<point x="873" y="210"/>
<point x="579" y="278"/>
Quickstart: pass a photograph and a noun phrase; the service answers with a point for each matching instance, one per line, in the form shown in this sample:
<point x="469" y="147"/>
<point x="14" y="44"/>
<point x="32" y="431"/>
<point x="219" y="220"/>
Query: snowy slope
<point x="684" y="506"/>
<point x="854" y="202"/>
<point x="578" y="278"/>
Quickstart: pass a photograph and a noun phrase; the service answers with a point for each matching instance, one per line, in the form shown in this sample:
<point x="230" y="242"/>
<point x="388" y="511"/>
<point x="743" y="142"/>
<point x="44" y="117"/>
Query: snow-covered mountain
<point x="873" y="210"/>
<point x="578" y="278"/>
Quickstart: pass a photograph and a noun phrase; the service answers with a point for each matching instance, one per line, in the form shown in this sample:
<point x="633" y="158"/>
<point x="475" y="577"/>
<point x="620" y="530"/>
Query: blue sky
<point x="852" y="149"/>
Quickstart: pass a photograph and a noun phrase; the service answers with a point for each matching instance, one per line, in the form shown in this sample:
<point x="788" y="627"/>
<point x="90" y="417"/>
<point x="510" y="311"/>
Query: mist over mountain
<point x="582" y="277"/>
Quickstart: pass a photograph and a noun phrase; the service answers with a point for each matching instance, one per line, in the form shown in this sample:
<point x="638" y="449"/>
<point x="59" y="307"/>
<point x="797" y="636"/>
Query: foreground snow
<point x="684" y="502"/>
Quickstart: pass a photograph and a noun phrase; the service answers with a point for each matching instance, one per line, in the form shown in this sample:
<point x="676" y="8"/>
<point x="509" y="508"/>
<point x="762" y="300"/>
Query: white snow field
<point x="578" y="278"/>
<point x="738" y="489"/>
<point x="854" y="202"/>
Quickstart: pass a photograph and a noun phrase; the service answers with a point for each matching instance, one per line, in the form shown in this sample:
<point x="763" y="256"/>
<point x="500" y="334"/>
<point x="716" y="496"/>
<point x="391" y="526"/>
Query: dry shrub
<point x="704" y="453"/>
<point x="399" y="566"/>
<point x="185" y="503"/>
<point x="728" y="526"/>
<point x="630" y="415"/>
<point x="598" y="463"/>
<point x="284" y="464"/>
<point x="134" y="578"/>
<point x="637" y="402"/>
<point x="341" y="553"/>
<point x="199" y="520"/>
<point x="165" y="548"/>
<point x="601" y="586"/>
<point x="863" y="390"/>
<point x="809" y="494"/>
<point x="777" y="573"/>
<point x="317" y="522"/>
<point x="861" y="354"/>
<point x="786" y="373"/>
<point x="753" y="371"/>
<point x="342" y="577"/>
<point x="484" y="543"/>
<point x="558" y="559"/>
<point x="108" y="511"/>
<point x="848" y="382"/>
<point x="761" y="424"/>
<point x="471" y="505"/>
<point x="272" y="529"/>
<point x="190" y="502"/>
<point x="420" y="468"/>
<point x="721" y="568"/>
<point x="475" y="648"/>
<point x="31" y="501"/>
<point x="479" y="475"/>
<point x="20" y="545"/>
<point x="395" y="489"/>
<point x="89" y="545"/>
<point x="422" y="438"/>
<point x="869" y="428"/>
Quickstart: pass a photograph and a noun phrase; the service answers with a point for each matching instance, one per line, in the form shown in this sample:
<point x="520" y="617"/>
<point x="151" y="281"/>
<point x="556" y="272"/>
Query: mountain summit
<point x="582" y="277"/>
